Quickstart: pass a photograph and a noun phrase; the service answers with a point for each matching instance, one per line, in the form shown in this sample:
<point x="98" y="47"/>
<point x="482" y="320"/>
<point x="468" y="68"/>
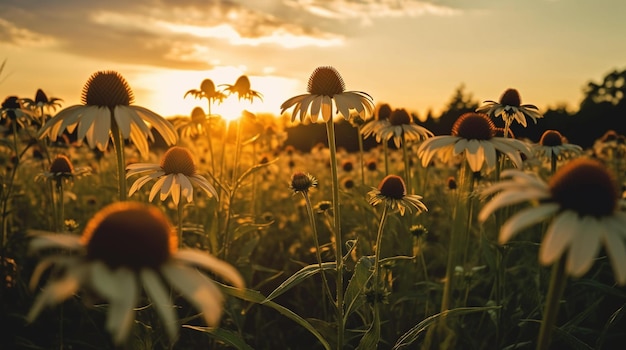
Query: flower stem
<point x="180" y="221"/>
<point x="118" y="143"/>
<point x="407" y="166"/>
<point x="558" y="280"/>
<point x="330" y="130"/>
<point x="318" y="255"/>
<point x="360" y="138"/>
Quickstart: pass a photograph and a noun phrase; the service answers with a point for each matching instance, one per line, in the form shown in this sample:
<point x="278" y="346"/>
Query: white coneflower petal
<point x="524" y="219"/>
<point x="211" y="263"/>
<point x="157" y="292"/>
<point x="558" y="237"/>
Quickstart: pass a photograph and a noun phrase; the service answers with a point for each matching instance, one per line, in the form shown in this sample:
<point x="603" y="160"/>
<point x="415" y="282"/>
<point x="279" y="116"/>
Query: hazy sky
<point x="409" y="53"/>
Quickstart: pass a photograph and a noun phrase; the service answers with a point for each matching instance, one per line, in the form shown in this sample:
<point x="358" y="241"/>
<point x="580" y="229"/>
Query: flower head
<point x="380" y="119"/>
<point x="107" y="108"/>
<point x="176" y="176"/>
<point x="392" y="192"/>
<point x="198" y="123"/>
<point x="208" y="91"/>
<point x="12" y="110"/>
<point x="511" y="108"/>
<point x="473" y="134"/>
<point x="582" y="201"/>
<point x="125" y="246"/>
<point x="42" y="101"/>
<point x="399" y="127"/>
<point x="327" y="91"/>
<point x="302" y="182"/>
<point x="554" y="145"/>
<point x="62" y="170"/>
<point x="243" y="90"/>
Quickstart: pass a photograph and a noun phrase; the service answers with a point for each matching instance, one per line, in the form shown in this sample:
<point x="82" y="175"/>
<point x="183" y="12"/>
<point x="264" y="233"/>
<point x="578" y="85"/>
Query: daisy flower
<point x="381" y="118"/>
<point x="124" y="247"/>
<point x="243" y="90"/>
<point x="392" y="192"/>
<point x="326" y="93"/>
<point x="554" y="145"/>
<point x="581" y="200"/>
<point x="401" y="127"/>
<point x="107" y="109"/>
<point x="510" y="108"/>
<point x="473" y="136"/>
<point x="176" y="176"/>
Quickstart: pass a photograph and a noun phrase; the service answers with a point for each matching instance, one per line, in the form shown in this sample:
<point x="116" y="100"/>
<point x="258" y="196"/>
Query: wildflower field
<point x="123" y="229"/>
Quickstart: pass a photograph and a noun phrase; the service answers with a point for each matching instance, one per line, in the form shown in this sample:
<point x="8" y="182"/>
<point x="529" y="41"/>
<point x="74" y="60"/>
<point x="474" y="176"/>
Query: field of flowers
<point x="122" y="229"/>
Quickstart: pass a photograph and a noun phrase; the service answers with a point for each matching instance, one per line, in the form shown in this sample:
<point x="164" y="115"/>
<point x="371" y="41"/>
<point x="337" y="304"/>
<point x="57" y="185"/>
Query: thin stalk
<point x="118" y="143"/>
<point x="407" y="166"/>
<point x="61" y="220"/>
<point x="325" y="288"/>
<point x="330" y="130"/>
<point x="181" y="208"/>
<point x="360" y="138"/>
<point x="208" y="137"/>
<point x="386" y="156"/>
<point x="555" y="290"/>
<point x="379" y="239"/>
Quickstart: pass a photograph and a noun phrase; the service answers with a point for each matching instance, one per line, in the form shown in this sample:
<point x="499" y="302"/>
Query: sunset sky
<point x="409" y="53"/>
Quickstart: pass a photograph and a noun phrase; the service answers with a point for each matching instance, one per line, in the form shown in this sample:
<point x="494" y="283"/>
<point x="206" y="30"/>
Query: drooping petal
<point x="157" y="292"/>
<point x="585" y="245"/>
<point x="525" y="218"/>
<point x="211" y="263"/>
<point x="558" y="237"/>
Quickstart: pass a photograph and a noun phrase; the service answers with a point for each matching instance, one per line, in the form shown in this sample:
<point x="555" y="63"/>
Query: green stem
<point x="555" y="291"/>
<point x="325" y="288"/>
<point x="362" y="167"/>
<point x="330" y="130"/>
<point x="118" y="143"/>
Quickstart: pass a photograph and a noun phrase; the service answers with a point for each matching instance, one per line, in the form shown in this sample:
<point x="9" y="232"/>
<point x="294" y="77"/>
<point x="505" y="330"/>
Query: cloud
<point x="185" y="34"/>
<point x="12" y="34"/>
<point x="366" y="10"/>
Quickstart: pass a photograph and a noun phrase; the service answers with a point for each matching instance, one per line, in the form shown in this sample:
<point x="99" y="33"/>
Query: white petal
<point x="558" y="237"/>
<point x="525" y="218"/>
<point x="585" y="245"/>
<point x="205" y="260"/>
<point x="156" y="291"/>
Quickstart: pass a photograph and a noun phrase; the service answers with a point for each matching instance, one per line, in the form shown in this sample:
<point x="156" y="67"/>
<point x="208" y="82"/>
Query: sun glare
<point x="163" y="91"/>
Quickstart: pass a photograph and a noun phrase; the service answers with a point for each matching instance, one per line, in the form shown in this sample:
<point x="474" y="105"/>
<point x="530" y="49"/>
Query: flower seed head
<point x="61" y="165"/>
<point x="208" y="87"/>
<point x="130" y="234"/>
<point x="400" y="117"/>
<point x="347" y="166"/>
<point x="197" y="115"/>
<point x="585" y="186"/>
<point x="107" y="89"/>
<point x="474" y="126"/>
<point x="511" y="98"/>
<point x="301" y="182"/>
<point x="452" y="185"/>
<point x="551" y="138"/>
<point x="40" y="97"/>
<point x="326" y="81"/>
<point x="178" y="160"/>
<point x="11" y="102"/>
<point x="383" y="112"/>
<point x="392" y="186"/>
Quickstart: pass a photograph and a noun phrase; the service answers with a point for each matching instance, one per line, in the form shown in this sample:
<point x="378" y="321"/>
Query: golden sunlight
<point x="163" y="91"/>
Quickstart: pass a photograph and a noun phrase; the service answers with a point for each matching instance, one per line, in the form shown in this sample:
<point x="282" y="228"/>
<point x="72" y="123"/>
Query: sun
<point x="163" y="91"/>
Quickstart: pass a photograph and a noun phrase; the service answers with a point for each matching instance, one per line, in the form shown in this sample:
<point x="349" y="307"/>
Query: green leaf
<point x="231" y="338"/>
<point x="356" y="285"/>
<point x="372" y="336"/>
<point x="258" y="298"/>
<point x="300" y="276"/>
<point x="412" y="334"/>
